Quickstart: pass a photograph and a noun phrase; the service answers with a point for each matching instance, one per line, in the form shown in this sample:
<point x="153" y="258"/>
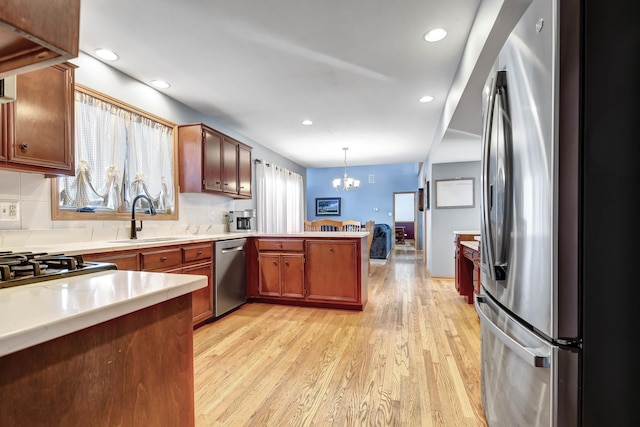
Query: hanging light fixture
<point x="345" y="183"/>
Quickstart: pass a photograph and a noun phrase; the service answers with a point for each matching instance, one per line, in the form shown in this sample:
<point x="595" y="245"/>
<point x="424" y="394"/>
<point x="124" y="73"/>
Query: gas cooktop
<point x="22" y="268"/>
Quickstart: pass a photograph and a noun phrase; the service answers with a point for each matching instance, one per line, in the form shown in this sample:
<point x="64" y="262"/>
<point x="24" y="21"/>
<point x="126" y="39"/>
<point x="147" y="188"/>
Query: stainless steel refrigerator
<point x="556" y="341"/>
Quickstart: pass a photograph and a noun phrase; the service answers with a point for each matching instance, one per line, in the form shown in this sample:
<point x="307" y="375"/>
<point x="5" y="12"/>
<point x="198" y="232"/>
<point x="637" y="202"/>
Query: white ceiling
<point x="356" y="68"/>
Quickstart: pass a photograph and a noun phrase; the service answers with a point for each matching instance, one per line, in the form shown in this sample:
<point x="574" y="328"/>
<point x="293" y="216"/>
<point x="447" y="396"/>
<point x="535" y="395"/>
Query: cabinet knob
<point x="286" y="263"/>
<point x="330" y="249"/>
<point x="24" y="146"/>
<point x="199" y="252"/>
<point x="279" y="245"/>
<point x="275" y="263"/>
<point x="163" y="259"/>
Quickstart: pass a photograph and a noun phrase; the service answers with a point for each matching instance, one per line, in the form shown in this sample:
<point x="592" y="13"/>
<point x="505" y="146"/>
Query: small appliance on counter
<point x="242" y="221"/>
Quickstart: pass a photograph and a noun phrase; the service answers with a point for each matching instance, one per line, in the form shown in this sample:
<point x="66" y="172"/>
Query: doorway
<point x="404" y="218"/>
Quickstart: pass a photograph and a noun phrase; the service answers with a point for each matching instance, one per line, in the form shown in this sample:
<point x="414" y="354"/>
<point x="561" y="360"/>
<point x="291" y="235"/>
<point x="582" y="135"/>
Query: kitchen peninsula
<point x="107" y="348"/>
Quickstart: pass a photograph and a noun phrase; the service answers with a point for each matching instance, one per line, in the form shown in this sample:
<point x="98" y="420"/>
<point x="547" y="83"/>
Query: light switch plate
<point x="9" y="210"/>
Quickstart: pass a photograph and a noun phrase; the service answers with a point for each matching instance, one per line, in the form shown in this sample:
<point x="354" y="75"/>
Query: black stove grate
<point x="21" y="268"/>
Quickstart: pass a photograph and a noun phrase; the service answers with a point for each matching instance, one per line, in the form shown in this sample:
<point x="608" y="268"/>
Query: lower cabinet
<point x="314" y="272"/>
<point x="332" y="270"/>
<point x="281" y="275"/>
<point x="281" y="268"/>
<point x="202" y="299"/>
<point x="196" y="258"/>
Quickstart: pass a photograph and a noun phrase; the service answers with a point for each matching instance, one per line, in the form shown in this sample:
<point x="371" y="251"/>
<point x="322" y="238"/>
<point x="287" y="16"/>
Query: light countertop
<point x="96" y="246"/>
<point x="473" y="244"/>
<point x="35" y="313"/>
<point x="467" y="232"/>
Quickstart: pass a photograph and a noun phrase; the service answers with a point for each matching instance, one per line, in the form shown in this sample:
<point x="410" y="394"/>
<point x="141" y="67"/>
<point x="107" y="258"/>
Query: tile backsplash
<point x="198" y="213"/>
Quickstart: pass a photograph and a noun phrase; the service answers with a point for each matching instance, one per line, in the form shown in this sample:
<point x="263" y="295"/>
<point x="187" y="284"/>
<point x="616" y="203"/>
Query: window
<point x="120" y="152"/>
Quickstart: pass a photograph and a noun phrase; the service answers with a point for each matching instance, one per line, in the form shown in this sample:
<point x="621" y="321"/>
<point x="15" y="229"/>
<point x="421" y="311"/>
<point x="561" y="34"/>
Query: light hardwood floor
<point x="411" y="358"/>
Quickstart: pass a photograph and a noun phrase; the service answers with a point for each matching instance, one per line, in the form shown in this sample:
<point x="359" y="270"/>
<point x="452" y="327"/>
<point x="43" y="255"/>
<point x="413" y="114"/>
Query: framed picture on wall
<point x="455" y="193"/>
<point x="329" y="206"/>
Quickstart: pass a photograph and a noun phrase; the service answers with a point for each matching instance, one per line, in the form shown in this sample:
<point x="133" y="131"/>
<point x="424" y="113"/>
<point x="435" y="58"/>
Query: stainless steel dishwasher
<point x="230" y="275"/>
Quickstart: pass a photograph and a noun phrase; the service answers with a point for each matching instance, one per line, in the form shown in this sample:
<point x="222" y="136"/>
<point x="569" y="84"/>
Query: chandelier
<point x="345" y="183"/>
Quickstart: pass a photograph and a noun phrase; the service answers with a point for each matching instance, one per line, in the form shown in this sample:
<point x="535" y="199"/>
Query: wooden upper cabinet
<point x="230" y="165"/>
<point x="212" y="166"/>
<point x="36" y="34"/>
<point x="37" y="128"/>
<point x="213" y="162"/>
<point x="244" y="170"/>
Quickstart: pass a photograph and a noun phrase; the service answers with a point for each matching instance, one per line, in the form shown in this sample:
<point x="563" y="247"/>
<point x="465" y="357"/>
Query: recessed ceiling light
<point x="160" y="84"/>
<point x="307" y="122"/>
<point x="426" y="98"/>
<point x="106" y="54"/>
<point x="435" y="35"/>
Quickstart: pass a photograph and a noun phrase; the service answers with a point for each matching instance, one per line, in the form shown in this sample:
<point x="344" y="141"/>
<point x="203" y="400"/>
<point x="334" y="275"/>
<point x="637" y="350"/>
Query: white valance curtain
<point x="119" y="154"/>
<point x="279" y="198"/>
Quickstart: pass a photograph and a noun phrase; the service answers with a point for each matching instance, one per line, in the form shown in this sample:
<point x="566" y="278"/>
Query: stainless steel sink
<point x="148" y="240"/>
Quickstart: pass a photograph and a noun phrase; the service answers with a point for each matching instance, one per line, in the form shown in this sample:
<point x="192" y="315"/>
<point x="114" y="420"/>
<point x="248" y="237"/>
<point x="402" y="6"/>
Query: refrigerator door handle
<point x="495" y="246"/>
<point x="486" y="252"/>
<point x="504" y="163"/>
<point x="531" y="356"/>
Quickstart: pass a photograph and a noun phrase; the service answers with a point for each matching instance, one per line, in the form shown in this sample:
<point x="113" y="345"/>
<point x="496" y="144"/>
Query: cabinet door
<point x="202" y="299"/>
<point x="269" y="282"/>
<point x="40" y="122"/>
<point x="4" y="132"/>
<point x="244" y="171"/>
<point x="212" y="160"/>
<point x="229" y="166"/>
<point x="332" y="271"/>
<point x="292" y="279"/>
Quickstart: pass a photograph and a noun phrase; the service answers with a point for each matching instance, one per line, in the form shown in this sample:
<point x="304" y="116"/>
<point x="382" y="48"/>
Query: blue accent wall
<point x="359" y="205"/>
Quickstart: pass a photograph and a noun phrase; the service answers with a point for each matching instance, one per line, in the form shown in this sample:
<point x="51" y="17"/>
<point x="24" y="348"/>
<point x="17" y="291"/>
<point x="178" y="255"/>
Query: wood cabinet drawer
<point x="161" y="259"/>
<point x="124" y="260"/>
<point x="197" y="252"/>
<point x="280" y="245"/>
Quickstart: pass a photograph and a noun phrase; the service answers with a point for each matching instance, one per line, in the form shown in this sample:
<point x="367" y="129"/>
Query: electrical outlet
<point x="9" y="210"/>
